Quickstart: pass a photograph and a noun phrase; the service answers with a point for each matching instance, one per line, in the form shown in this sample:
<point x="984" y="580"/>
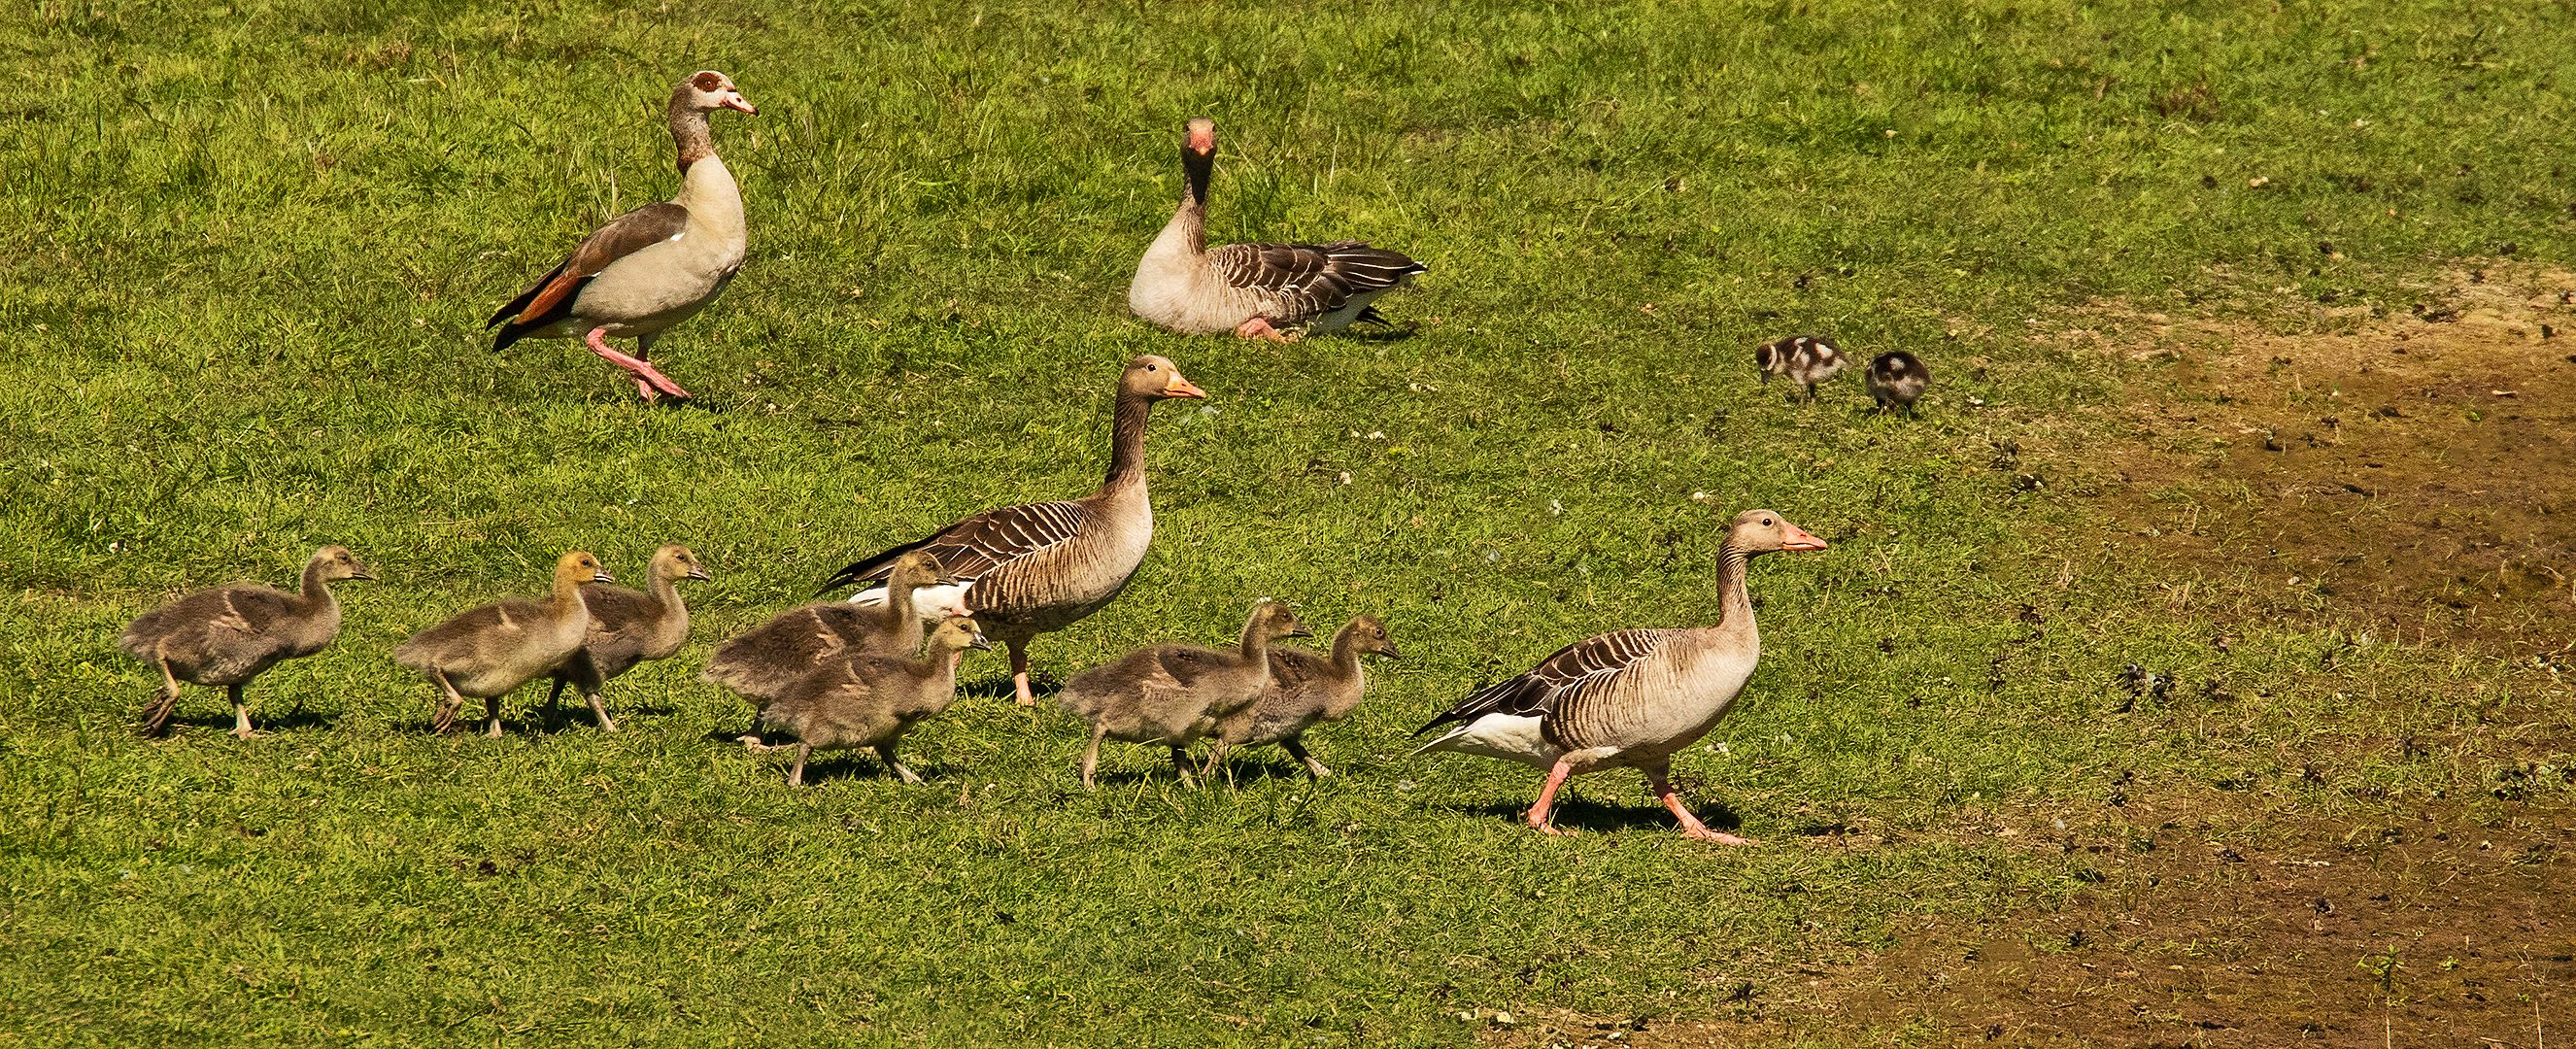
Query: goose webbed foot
<point x="1692" y="828"/>
<point x="1259" y="328"/>
<point x="1538" y="813"/>
<point x="649" y="381"/>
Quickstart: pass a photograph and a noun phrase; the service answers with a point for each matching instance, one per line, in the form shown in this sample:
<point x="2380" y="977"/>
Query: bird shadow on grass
<point x="287" y="722"/>
<point x="1395" y="332"/>
<point x="1244" y="773"/>
<point x="998" y="686"/>
<point x="1578" y="814"/>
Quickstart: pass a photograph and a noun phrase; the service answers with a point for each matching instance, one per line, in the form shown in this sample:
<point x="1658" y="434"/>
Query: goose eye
<point x="1766" y="522"/>
<point x="1152" y="367"/>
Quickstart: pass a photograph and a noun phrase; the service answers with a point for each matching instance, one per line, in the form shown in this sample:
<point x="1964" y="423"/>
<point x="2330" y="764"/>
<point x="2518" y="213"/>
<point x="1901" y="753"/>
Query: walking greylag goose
<point x="1896" y="379"/>
<point x="628" y="627"/>
<point x="871" y="701"/>
<point x="652" y="267"/>
<point x="227" y="635"/>
<point x="761" y="663"/>
<point x="1632" y="698"/>
<point x="1804" y="359"/>
<point x="1040" y="568"/>
<point x="1256" y="291"/>
<point x="489" y="650"/>
<point x="1306" y="690"/>
<point x="1176" y="695"/>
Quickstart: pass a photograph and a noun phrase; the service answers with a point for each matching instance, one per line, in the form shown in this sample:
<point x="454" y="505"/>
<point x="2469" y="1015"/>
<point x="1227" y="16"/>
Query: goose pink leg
<point x="1259" y="328"/>
<point x="648" y="381"/>
<point x="1020" y="673"/>
<point x="1538" y="814"/>
<point x="1691" y="826"/>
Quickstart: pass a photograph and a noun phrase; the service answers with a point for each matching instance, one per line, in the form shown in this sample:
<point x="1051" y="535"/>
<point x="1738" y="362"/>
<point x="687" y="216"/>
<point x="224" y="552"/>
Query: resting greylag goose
<point x="628" y="627"/>
<point x="1040" y="568"/>
<point x="652" y="267"/>
<point x="871" y="701"/>
<point x="761" y="663"/>
<point x="491" y="649"/>
<point x="1256" y="291"/>
<point x="1632" y="698"/>
<point x="1804" y="359"/>
<point x="1896" y="379"/>
<point x="227" y="635"/>
<point x="1306" y="690"/>
<point x="1176" y="695"/>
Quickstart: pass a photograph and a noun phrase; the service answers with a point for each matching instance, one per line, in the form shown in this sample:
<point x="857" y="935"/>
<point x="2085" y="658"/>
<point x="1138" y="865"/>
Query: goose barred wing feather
<point x="1578" y="670"/>
<point x="1310" y="280"/>
<point x="972" y="548"/>
<point x="550" y="299"/>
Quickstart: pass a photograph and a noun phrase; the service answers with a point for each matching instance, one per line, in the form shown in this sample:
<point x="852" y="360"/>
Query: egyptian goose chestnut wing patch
<point x="1578" y="670"/>
<point x="552" y="294"/>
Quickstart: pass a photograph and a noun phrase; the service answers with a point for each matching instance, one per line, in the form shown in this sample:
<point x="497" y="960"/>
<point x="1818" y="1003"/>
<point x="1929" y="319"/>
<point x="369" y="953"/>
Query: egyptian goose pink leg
<point x="1547" y="799"/>
<point x="1691" y="826"/>
<point x="646" y="377"/>
<point x="1258" y="328"/>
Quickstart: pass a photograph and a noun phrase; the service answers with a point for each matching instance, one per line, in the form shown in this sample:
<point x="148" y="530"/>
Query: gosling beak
<point x="361" y="572"/>
<point x="980" y="644"/>
<point x="699" y="573"/>
<point x="1798" y="539"/>
<point x="1390" y="652"/>
<point x="602" y="576"/>
<point x="1301" y="632"/>
<point x="736" y="101"/>
<point x="1180" y="387"/>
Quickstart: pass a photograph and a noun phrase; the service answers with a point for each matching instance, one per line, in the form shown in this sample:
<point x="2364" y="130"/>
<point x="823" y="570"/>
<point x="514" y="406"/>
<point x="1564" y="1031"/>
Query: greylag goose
<point x="652" y="267"/>
<point x="1042" y="567"/>
<point x="1632" y="698"/>
<point x="491" y="649"/>
<point x="1176" y="695"/>
<point x="1804" y="359"/>
<point x="1306" y="690"/>
<point x="227" y="635"/>
<point x="628" y="627"/>
<point x="871" y="701"/>
<point x="761" y="663"/>
<point x="1256" y="291"/>
<point x="1896" y="379"/>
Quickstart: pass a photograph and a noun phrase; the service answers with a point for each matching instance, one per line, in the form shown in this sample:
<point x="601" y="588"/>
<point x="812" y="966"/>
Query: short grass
<point x="247" y="249"/>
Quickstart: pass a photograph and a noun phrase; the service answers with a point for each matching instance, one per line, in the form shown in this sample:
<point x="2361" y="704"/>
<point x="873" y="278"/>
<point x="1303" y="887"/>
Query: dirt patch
<point x="2413" y="471"/>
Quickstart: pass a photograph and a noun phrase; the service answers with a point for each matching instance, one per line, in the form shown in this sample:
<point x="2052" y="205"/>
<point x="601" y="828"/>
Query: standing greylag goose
<point x="1632" y="698"/>
<point x="628" y="627"/>
<point x="227" y="635"/>
<point x="1256" y="291"/>
<point x="871" y="701"/>
<point x="1804" y="359"/>
<point x="759" y="664"/>
<point x="1176" y="695"/>
<point x="1305" y="690"/>
<point x="491" y="649"/>
<point x="652" y="267"/>
<point x="1896" y="379"/>
<point x="1040" y="568"/>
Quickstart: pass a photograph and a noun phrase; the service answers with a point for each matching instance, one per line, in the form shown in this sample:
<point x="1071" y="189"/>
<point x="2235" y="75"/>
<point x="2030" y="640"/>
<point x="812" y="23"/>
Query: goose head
<point x="1765" y="531"/>
<point x="338" y="563"/>
<point x="957" y="634"/>
<point x="1198" y="141"/>
<point x="678" y="562"/>
<point x="580" y="567"/>
<point x="1273" y="621"/>
<point x="1155" y="378"/>
<point x="706" y="91"/>
<point x="1368" y="635"/>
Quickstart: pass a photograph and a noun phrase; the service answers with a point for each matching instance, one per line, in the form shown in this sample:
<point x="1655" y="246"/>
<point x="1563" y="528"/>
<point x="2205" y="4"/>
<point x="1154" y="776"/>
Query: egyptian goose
<point x="628" y="627"/>
<point x="871" y="701"/>
<point x="227" y="635"/>
<point x="1896" y="379"/>
<point x="652" y="267"/>
<point x="1632" y="698"/>
<point x="1306" y="690"/>
<point x="489" y="650"/>
<point x="1042" y="567"/>
<point x="1804" y="359"/>
<point x="761" y="663"/>
<point x="1256" y="291"/>
<point x="1176" y="695"/>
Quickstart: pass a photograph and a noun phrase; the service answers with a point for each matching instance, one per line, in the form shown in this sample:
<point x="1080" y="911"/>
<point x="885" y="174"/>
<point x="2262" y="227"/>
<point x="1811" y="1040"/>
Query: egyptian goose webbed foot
<point x="650" y="383"/>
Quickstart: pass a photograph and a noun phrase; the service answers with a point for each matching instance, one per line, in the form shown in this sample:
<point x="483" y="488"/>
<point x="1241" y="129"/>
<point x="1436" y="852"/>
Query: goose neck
<point x="1736" y="603"/>
<point x="690" y="134"/>
<point x="1127" y="443"/>
<point x="316" y="590"/>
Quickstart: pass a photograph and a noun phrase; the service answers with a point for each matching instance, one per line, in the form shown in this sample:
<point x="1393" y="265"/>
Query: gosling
<point x="1176" y="695"/>
<point x="761" y="663"/>
<point x="628" y="627"/>
<point x="490" y="650"/>
<point x="1896" y="379"/>
<point x="1804" y="359"/>
<point x="227" y="635"/>
<point x="854" y="700"/>
<point x="1306" y="690"/>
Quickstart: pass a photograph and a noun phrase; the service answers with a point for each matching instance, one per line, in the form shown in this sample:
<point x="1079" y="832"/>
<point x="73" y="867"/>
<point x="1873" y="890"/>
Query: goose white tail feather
<point x="929" y="602"/>
<point x="1510" y="737"/>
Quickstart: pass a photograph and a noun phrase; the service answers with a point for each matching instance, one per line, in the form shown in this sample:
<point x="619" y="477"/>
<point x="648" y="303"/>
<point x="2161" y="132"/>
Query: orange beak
<point x="1798" y="540"/>
<point x="1180" y="387"/>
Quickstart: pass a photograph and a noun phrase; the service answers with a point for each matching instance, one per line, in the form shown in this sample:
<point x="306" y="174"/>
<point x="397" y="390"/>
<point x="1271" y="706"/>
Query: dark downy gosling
<point x="227" y="635"/>
<point x="1176" y="695"/>
<point x="761" y="663"/>
<point x="628" y="627"/>
<point x="1804" y="359"/>
<point x="492" y="649"/>
<point x="871" y="701"/>
<point x="1896" y="378"/>
<point x="1305" y="690"/>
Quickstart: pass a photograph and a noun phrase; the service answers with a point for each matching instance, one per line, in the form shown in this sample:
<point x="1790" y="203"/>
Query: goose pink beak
<point x="736" y="101"/>
<point x="1796" y="539"/>
<point x="1181" y="387"/>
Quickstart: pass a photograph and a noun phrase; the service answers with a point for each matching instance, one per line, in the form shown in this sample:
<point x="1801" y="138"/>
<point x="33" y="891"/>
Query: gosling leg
<point x="241" y="713"/>
<point x="445" y="718"/>
<point x="1091" y="756"/>
<point x="156" y="714"/>
<point x="886" y="754"/>
<point x="1297" y="750"/>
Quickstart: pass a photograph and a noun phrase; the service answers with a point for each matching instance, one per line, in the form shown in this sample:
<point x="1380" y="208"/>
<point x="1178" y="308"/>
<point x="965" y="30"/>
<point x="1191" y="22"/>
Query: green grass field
<point x="246" y="251"/>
